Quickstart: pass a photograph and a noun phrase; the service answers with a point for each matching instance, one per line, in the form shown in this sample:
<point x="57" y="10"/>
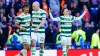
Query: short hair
<point x="25" y="5"/>
<point x="63" y="10"/>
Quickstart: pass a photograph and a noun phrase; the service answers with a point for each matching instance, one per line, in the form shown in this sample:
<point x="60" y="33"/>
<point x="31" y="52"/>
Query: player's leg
<point x="33" y="44"/>
<point x="41" y="40"/>
<point x="68" y="44"/>
<point x="41" y="49"/>
<point x="25" y="46"/>
<point x="63" y="42"/>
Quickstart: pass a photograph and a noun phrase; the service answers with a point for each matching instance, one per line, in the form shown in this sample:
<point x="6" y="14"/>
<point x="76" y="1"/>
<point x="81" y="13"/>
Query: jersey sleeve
<point x="18" y="19"/>
<point x="44" y="15"/>
<point x="58" y="18"/>
<point x="54" y="19"/>
<point x="80" y="17"/>
<point x="73" y="18"/>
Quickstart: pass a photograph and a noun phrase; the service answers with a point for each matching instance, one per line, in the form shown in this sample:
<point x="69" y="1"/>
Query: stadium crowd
<point x="10" y="9"/>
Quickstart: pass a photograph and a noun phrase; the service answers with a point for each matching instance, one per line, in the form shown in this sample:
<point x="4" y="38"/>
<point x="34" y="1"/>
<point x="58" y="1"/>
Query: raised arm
<point x="79" y="18"/>
<point x="53" y="19"/>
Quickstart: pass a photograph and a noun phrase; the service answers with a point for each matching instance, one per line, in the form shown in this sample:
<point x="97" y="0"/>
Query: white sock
<point x="42" y="49"/>
<point x="33" y="51"/>
<point x="18" y="55"/>
<point x="64" y="50"/>
<point x="23" y="52"/>
<point x="41" y="52"/>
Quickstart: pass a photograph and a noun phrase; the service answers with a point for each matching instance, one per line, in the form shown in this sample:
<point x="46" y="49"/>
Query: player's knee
<point x="42" y="45"/>
<point x="33" y="43"/>
<point x="68" y="46"/>
<point x="26" y="46"/>
<point x="63" y="44"/>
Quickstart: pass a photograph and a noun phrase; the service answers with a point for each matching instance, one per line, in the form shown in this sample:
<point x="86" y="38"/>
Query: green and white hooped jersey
<point x="24" y="21"/>
<point x="37" y="17"/>
<point x="66" y="24"/>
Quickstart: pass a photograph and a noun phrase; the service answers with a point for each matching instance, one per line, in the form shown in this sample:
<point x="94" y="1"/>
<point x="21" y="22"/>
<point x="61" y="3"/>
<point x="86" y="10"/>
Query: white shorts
<point x="65" y="40"/>
<point x="40" y="37"/>
<point x="25" y="39"/>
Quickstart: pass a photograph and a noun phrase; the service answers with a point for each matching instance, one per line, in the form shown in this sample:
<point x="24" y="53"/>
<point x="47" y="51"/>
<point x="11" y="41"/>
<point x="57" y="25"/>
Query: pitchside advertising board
<point x="74" y="52"/>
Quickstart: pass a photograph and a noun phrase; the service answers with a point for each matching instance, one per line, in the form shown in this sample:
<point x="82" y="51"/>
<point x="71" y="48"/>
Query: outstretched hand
<point x="49" y="10"/>
<point x="24" y="29"/>
<point x="36" y="29"/>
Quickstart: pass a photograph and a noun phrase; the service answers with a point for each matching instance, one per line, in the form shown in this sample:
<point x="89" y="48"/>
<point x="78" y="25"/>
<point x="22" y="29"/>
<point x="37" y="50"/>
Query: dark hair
<point x="25" y="5"/>
<point x="63" y="10"/>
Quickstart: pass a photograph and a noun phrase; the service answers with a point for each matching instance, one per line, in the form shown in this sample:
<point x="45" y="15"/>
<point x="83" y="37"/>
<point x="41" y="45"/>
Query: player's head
<point x="35" y="6"/>
<point x="65" y="11"/>
<point x="25" y="8"/>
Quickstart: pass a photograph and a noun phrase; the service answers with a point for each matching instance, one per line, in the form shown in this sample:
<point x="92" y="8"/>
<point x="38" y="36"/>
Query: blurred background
<point x="9" y="9"/>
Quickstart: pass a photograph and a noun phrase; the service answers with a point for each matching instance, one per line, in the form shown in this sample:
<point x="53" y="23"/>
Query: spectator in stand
<point x="2" y="11"/>
<point x="94" y="11"/>
<point x="99" y="14"/>
<point x="11" y="5"/>
<point x="74" y="9"/>
<point x="49" y="33"/>
<point x="68" y="2"/>
<point x="56" y="31"/>
<point x="1" y="4"/>
<point x="1" y="39"/>
<point x="95" y="41"/>
<point x="23" y="2"/>
<point x="1" y="31"/>
<point x="87" y="15"/>
<point x="76" y="22"/>
<point x="19" y="11"/>
<point x="84" y="2"/>
<point x="79" y="37"/>
<point x="17" y="5"/>
<point x="62" y="4"/>
<point x="1" y="14"/>
<point x="12" y="14"/>
<point x="4" y="6"/>
<point x="4" y="27"/>
<point x="45" y="7"/>
<point x="88" y="27"/>
<point x="11" y="22"/>
<point x="94" y="2"/>
<point x="76" y="1"/>
<point x="98" y="1"/>
<point x="14" y="42"/>
<point x="55" y="7"/>
<point x="8" y="2"/>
